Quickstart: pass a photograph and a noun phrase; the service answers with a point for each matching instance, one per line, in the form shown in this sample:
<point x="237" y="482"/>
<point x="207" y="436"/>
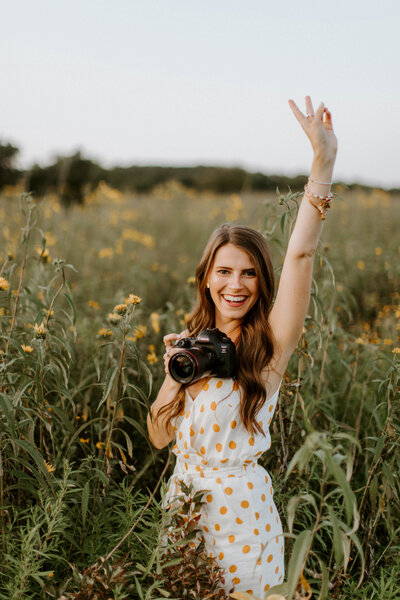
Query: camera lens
<point x="183" y="367"/>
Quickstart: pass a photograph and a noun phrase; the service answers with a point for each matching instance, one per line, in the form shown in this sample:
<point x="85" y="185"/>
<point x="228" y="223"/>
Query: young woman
<point x="222" y="425"/>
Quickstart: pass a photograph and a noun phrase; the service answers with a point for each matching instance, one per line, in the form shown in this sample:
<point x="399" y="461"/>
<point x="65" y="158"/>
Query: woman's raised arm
<point x="293" y="296"/>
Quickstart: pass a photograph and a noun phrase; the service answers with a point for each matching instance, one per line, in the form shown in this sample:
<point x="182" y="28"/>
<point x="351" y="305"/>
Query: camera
<point x="211" y="353"/>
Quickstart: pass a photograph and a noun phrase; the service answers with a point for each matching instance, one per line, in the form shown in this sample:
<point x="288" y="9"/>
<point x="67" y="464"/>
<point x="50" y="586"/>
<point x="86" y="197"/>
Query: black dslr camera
<point x="212" y="353"/>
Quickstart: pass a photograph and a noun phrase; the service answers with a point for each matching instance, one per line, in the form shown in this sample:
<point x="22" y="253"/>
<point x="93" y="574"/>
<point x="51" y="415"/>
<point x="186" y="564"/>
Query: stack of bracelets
<point x="323" y="202"/>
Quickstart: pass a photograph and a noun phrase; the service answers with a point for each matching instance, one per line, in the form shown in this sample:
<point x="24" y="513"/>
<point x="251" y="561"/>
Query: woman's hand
<point x="169" y="348"/>
<point x="318" y="128"/>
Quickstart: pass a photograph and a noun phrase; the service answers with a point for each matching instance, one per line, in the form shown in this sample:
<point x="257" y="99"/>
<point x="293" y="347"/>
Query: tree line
<point x="73" y="176"/>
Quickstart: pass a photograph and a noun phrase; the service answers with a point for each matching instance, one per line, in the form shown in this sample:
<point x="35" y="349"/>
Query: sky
<point x="184" y="82"/>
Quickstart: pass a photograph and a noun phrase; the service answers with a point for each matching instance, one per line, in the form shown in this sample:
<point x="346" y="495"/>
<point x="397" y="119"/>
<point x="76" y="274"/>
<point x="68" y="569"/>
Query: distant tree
<point x="8" y="173"/>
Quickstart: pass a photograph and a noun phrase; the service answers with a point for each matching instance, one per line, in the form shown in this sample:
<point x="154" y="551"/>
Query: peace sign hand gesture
<point x="318" y="128"/>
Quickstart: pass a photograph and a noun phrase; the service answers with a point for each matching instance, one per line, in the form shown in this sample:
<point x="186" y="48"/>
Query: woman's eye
<point x="250" y="273"/>
<point x="222" y="271"/>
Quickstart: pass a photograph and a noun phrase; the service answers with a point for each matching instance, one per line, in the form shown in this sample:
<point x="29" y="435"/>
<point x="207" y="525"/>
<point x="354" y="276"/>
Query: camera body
<point x="211" y="353"/>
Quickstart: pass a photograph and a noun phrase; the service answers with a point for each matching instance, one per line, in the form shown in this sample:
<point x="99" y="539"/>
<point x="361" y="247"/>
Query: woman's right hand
<point x="169" y="348"/>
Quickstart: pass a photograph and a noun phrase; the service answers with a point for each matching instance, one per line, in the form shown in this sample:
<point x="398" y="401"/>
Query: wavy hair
<point x="254" y="346"/>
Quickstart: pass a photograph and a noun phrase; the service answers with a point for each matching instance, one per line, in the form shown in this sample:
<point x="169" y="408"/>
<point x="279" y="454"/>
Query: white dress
<point x="239" y="520"/>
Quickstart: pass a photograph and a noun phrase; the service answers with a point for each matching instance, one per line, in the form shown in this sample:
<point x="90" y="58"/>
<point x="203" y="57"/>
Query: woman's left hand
<point x="317" y="126"/>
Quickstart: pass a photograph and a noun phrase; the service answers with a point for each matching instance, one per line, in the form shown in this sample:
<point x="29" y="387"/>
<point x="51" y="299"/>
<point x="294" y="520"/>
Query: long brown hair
<point x="254" y="346"/>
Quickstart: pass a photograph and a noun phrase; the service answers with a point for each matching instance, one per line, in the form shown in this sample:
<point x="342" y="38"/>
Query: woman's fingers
<point x="309" y="107"/>
<point x="169" y="339"/>
<point x="297" y="112"/>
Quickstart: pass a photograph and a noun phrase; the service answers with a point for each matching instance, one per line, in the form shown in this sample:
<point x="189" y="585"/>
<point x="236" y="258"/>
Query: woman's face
<point x="233" y="284"/>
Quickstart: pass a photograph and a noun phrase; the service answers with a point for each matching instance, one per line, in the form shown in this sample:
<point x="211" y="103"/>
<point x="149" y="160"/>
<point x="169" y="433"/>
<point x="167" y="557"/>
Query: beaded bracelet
<point x="322" y="206"/>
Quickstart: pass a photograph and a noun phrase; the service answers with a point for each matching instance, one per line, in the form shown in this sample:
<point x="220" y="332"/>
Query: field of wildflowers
<point x="86" y="295"/>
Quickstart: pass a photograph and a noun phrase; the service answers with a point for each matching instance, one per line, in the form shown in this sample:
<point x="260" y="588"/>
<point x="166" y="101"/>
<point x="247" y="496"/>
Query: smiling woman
<point x="222" y="425"/>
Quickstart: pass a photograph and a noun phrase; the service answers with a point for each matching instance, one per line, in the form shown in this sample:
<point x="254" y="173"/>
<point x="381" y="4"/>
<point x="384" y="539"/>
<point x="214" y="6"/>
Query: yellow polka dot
<point x="233" y="424"/>
<point x="235" y="386"/>
<point x="251" y="441"/>
<point x="186" y="467"/>
<point x="223" y="510"/>
<point x="246" y="549"/>
<point x="257" y="516"/>
<point x="258" y="453"/>
<point x="217" y="527"/>
<point x="263" y="497"/>
<point x="232" y="568"/>
<point x="239" y="521"/>
<point x="198" y="468"/>
<point x="250" y="485"/>
<point x="260" y="423"/>
<point x="277" y="519"/>
<point x="231" y="539"/>
<point x="259" y="561"/>
<point x="213" y="406"/>
<point x="204" y="462"/>
<point x="209" y="498"/>
<point x="221" y="555"/>
<point x="272" y="491"/>
<point x="266" y="587"/>
<point x="270" y="558"/>
<point x="202" y="408"/>
<point x="271" y="510"/>
<point x="228" y="491"/>
<point x="191" y="432"/>
<point x="205" y="386"/>
<point x="244" y="504"/>
<point x="215" y="468"/>
<point x="218" y="480"/>
<point x="249" y="591"/>
<point x="224" y="460"/>
<point x="186" y="456"/>
<point x="187" y="414"/>
<point x="255" y="531"/>
<point x="205" y="528"/>
<point x="201" y="429"/>
<point x="219" y="384"/>
<point x="266" y="479"/>
<point x="268" y="527"/>
<point x="216" y="427"/>
<point x="202" y="450"/>
<point x="185" y="444"/>
<point x="277" y="570"/>
<point x="235" y="580"/>
<point x="271" y="408"/>
<point x="277" y="539"/>
<point x="230" y="474"/>
<point x="182" y="412"/>
<point x="232" y="445"/>
<point x="180" y="435"/>
<point x="218" y="447"/>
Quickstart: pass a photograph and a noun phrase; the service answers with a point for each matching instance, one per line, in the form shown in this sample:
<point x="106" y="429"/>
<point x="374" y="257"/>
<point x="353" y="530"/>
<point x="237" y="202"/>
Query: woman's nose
<point x="234" y="281"/>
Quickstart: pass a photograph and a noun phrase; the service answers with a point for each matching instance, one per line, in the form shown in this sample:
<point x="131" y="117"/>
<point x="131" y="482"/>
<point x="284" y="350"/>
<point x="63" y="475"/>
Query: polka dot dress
<point x="239" y="519"/>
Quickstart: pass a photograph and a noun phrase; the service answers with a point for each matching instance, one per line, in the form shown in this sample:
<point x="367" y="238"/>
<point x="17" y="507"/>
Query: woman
<point x="222" y="425"/>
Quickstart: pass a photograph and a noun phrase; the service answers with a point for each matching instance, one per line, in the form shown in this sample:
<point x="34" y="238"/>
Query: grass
<point x="78" y="477"/>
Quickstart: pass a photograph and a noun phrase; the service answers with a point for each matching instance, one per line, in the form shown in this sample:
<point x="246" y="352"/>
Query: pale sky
<point x="187" y="82"/>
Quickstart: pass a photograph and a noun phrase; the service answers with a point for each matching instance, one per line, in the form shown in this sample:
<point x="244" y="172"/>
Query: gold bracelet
<point x="322" y="206"/>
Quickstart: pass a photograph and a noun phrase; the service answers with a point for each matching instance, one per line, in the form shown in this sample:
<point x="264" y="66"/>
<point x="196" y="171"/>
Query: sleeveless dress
<point x="239" y="519"/>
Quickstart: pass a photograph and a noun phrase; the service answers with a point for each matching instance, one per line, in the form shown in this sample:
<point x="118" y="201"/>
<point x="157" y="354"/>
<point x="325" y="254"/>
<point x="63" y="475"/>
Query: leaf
<point x="297" y="560"/>
<point x="85" y="500"/>
<point x="108" y="385"/>
<point x="348" y="494"/>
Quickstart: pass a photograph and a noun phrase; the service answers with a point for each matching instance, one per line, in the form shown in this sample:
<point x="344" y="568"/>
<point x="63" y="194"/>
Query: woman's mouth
<point x="235" y="301"/>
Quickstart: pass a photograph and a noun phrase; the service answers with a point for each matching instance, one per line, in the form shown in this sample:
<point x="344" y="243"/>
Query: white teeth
<point x="234" y="298"/>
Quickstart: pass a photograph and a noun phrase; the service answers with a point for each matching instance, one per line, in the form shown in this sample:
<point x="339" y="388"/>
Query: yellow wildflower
<point x="132" y="299"/>
<point x="378" y="251"/>
<point x="94" y="304"/>
<point x="3" y="284"/>
<point x="106" y="253"/>
<point x="84" y="440"/>
<point x="44" y="255"/>
<point x="388" y="342"/>
<point x="121" y="309"/>
<point x="2" y="312"/>
<point x="49" y="467"/>
<point x="339" y="287"/>
<point x="360" y="340"/>
<point x="10" y="255"/>
<point x="396" y="350"/>
<point x="114" y="318"/>
<point x="40" y="330"/>
<point x="361" y="265"/>
<point x="99" y="445"/>
<point x="191" y="280"/>
<point x="28" y="349"/>
<point x="155" y="322"/>
<point x="104" y="332"/>
<point x="50" y="574"/>
<point x="151" y="356"/>
<point x="50" y="313"/>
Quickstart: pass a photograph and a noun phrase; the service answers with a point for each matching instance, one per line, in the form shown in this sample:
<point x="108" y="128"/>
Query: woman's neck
<point x="231" y="328"/>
